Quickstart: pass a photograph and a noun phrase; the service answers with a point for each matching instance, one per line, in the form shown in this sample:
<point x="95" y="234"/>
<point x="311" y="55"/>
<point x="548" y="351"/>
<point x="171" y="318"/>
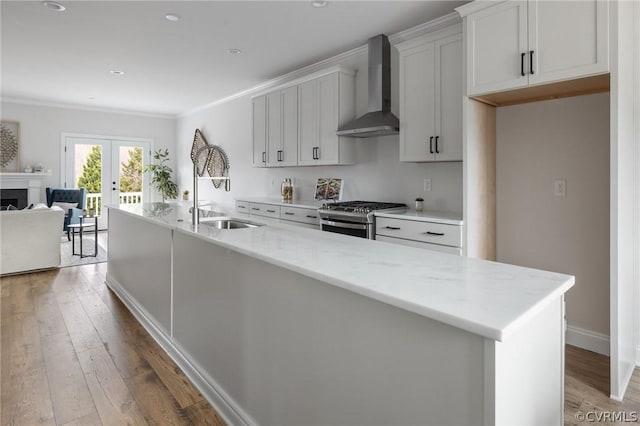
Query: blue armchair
<point x="74" y="196"/>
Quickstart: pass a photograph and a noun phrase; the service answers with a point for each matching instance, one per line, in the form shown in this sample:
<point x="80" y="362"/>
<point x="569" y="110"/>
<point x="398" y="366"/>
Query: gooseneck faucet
<point x="195" y="212"/>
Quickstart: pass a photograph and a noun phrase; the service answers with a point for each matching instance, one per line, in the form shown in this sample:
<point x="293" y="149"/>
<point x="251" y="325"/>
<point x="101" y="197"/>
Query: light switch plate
<point x="427" y="185"/>
<point x="560" y="188"/>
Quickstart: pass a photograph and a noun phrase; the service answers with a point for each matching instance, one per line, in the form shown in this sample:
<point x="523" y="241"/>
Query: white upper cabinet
<point x="431" y="80"/>
<point x="568" y="39"/>
<point x="325" y="103"/>
<point x="517" y="43"/>
<point x="259" y="117"/>
<point x="282" y="128"/>
<point x="296" y="125"/>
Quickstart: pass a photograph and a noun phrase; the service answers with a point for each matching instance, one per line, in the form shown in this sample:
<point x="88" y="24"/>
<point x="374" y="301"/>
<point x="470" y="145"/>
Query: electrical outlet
<point x="560" y="188"/>
<point x="427" y="185"/>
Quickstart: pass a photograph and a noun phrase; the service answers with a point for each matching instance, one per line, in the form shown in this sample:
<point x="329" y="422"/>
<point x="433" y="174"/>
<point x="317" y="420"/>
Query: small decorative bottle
<point x="419" y="204"/>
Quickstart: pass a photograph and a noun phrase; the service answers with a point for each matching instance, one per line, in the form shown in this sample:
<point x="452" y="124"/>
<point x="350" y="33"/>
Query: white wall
<point x="537" y="143"/>
<point x="378" y="174"/>
<point x="41" y="128"/>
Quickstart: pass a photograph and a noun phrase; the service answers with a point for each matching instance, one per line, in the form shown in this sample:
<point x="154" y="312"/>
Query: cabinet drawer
<point x="242" y="206"/>
<point x="427" y="232"/>
<point x="427" y="246"/>
<point x="268" y="210"/>
<point x="298" y="214"/>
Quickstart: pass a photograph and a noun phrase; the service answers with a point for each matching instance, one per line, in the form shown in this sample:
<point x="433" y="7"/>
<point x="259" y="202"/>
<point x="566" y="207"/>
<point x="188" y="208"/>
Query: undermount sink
<point x="227" y="223"/>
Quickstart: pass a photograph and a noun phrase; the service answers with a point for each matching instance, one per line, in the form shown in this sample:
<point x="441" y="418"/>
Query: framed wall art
<point x="329" y="189"/>
<point x="9" y="146"/>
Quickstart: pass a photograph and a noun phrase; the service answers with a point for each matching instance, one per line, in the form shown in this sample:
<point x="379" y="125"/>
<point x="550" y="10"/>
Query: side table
<point x="78" y="228"/>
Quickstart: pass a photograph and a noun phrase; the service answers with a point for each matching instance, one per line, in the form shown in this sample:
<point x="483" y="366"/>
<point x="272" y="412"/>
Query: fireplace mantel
<point x="30" y="181"/>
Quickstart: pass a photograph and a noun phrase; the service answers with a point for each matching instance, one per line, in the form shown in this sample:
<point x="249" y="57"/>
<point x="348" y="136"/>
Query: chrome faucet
<point x="195" y="212"/>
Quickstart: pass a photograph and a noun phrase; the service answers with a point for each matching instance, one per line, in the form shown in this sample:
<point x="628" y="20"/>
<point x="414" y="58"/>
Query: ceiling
<point x="173" y="67"/>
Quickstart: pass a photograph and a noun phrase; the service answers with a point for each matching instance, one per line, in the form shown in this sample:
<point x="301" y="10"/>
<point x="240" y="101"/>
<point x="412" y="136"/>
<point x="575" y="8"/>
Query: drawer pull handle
<point x="255" y="208"/>
<point x="289" y="213"/>
<point x="271" y="211"/>
<point x="395" y="228"/>
<point x="440" y="234"/>
<point x="241" y="207"/>
<point x="312" y="217"/>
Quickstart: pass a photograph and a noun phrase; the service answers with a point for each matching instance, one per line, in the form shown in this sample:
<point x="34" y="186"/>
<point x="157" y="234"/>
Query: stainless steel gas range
<point x="354" y="217"/>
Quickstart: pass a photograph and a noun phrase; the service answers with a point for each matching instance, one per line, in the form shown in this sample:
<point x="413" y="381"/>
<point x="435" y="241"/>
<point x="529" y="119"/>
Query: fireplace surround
<point x="29" y="182"/>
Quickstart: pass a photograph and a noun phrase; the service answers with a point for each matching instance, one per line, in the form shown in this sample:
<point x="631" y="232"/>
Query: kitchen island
<point x="283" y="325"/>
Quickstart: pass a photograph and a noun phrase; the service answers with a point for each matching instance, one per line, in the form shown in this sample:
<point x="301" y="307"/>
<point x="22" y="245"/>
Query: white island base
<point x="272" y="346"/>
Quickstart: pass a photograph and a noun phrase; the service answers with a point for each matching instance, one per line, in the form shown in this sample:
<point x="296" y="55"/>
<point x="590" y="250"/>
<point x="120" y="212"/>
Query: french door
<point x="109" y="169"/>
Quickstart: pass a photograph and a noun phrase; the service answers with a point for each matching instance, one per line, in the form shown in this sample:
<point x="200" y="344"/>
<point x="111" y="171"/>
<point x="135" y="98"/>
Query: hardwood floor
<point x="72" y="354"/>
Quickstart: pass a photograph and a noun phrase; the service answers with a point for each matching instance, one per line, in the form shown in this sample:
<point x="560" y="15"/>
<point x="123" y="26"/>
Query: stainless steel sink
<point x="228" y="223"/>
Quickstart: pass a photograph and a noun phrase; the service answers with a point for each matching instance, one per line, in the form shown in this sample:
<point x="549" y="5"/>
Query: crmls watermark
<point x="607" y="416"/>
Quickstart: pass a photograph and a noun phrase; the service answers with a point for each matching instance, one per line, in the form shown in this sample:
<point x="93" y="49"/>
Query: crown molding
<point x="319" y="67"/>
<point x="35" y="102"/>
<point x="426" y="28"/>
<point x="282" y="80"/>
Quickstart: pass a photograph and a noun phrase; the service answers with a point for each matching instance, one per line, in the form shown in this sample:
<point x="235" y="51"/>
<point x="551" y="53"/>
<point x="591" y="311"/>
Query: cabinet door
<point x="289" y="146"/>
<point x="496" y="38"/>
<point x="274" y="128"/>
<point x="328" y="142"/>
<point x="417" y="103"/>
<point x="307" y="122"/>
<point x="259" y="131"/>
<point x="569" y="39"/>
<point x="448" y="145"/>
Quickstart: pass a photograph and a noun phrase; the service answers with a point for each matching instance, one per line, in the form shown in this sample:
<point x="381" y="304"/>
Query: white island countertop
<point x="485" y="298"/>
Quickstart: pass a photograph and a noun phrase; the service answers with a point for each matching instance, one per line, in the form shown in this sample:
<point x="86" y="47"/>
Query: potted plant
<point x="161" y="176"/>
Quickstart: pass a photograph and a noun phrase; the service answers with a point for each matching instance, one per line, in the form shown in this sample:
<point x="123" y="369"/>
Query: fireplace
<point x="15" y="197"/>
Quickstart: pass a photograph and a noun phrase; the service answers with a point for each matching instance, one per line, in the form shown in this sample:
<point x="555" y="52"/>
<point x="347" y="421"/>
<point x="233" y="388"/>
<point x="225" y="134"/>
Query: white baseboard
<point x="587" y="339"/>
<point x="213" y="393"/>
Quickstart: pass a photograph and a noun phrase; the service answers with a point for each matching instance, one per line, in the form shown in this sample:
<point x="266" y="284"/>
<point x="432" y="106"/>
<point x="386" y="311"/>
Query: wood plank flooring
<point x="72" y="354"/>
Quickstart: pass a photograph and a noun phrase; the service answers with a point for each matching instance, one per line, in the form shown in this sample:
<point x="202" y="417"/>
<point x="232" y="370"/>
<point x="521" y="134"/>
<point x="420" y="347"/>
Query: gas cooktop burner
<point x="360" y="206"/>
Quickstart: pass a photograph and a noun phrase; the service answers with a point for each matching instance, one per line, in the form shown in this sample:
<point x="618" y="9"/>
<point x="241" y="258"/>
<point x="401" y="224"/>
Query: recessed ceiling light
<point x="91" y="98"/>
<point x="172" y="17"/>
<point x="318" y="3"/>
<point x="117" y="72"/>
<point x="54" y="5"/>
<point x="234" y="51"/>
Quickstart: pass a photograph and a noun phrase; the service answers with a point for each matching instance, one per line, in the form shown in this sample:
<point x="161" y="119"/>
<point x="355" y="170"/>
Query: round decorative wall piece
<point x="8" y="146"/>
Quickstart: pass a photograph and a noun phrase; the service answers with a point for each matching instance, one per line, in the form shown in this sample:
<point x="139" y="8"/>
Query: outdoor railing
<point x="94" y="201"/>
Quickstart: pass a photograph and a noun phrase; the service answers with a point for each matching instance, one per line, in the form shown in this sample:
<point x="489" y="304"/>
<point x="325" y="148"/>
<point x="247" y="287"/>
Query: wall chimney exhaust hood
<point x="379" y="121"/>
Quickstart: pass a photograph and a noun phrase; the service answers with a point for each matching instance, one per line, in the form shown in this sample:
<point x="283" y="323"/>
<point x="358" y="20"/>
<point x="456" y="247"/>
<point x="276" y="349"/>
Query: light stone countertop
<point x="305" y="204"/>
<point x="486" y="298"/>
<point x="426" y="216"/>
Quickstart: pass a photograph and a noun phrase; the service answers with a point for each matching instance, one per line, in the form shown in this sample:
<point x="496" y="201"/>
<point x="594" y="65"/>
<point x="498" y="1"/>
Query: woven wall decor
<point x="9" y="146"/>
<point x="214" y="160"/>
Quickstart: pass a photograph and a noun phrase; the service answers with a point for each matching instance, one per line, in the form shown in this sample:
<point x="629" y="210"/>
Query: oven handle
<point x="344" y="224"/>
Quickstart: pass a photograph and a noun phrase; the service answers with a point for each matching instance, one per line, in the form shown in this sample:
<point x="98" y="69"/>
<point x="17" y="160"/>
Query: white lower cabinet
<point x="428" y="235"/>
<point x="306" y="217"/>
<point x="300" y="215"/>
<point x="268" y="210"/>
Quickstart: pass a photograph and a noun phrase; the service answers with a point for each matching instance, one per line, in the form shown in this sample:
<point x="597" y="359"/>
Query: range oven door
<point x="345" y="227"/>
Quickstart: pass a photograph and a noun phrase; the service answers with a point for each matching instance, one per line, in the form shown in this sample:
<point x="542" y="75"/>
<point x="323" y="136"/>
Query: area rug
<point x="68" y="259"/>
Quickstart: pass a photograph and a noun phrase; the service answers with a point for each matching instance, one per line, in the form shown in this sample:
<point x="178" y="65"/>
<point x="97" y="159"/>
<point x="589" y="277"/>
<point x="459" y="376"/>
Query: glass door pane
<point x="130" y="174"/>
<point x="129" y="183"/>
<point x="88" y="163"/>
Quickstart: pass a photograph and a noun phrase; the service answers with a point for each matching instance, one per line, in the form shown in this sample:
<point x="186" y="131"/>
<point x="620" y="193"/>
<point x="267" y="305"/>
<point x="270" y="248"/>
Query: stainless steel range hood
<point x="379" y="121"/>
